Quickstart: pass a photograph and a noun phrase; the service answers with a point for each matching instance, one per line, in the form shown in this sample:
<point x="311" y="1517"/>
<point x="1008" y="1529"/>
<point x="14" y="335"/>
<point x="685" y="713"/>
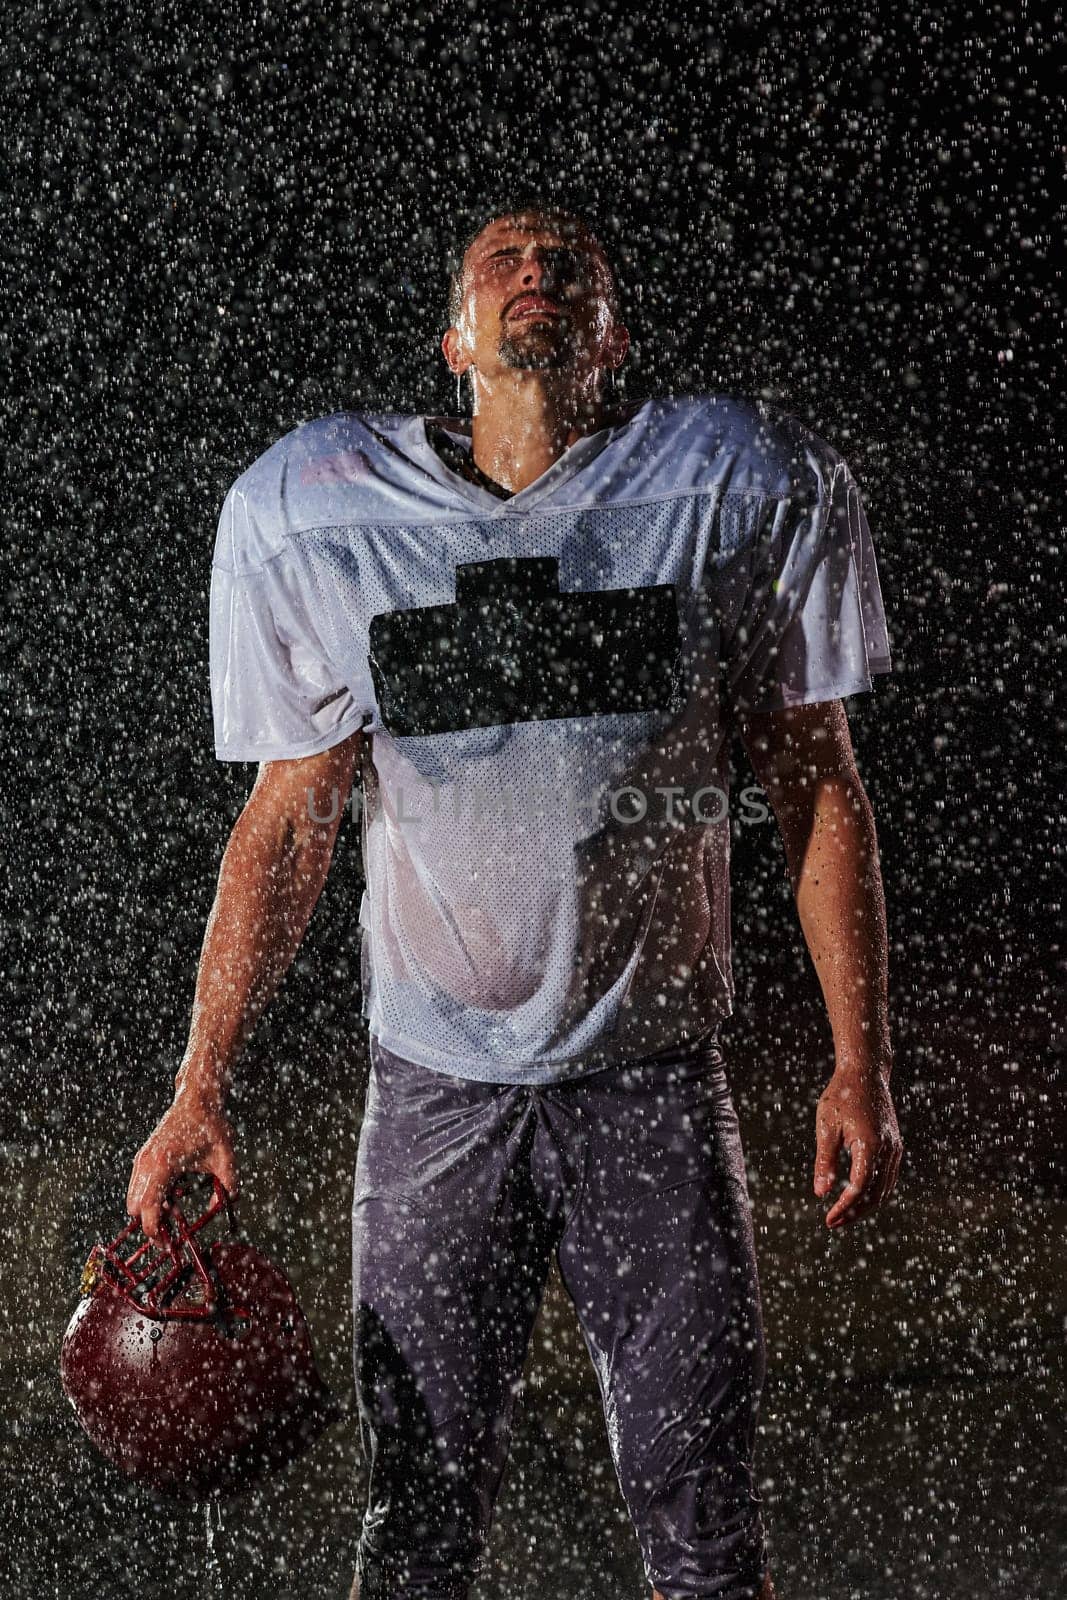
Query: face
<point x="536" y="295"/>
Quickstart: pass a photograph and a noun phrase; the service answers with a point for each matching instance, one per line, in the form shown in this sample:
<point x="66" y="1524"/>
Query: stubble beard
<point x="537" y="349"/>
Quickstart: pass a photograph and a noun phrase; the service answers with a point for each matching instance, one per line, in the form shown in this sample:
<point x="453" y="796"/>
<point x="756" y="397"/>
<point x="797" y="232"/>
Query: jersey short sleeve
<point x="276" y="692"/>
<point x="811" y="624"/>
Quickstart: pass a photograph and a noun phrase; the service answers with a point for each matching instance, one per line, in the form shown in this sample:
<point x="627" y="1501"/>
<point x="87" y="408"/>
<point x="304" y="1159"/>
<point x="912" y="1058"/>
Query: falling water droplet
<point x="212" y="1568"/>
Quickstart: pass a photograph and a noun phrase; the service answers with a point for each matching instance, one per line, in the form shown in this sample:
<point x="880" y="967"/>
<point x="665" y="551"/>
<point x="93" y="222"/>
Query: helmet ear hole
<point x="190" y="1364"/>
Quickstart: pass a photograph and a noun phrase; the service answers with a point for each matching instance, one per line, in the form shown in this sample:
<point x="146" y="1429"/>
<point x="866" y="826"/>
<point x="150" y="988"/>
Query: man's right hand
<point x="193" y="1135"/>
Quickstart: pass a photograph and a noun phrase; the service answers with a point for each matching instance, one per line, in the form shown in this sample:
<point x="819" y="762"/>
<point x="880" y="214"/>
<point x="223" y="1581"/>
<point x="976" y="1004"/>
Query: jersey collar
<point x="413" y="440"/>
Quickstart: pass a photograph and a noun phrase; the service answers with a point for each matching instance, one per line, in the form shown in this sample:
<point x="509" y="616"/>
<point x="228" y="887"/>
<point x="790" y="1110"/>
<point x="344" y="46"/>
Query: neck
<point x="523" y="421"/>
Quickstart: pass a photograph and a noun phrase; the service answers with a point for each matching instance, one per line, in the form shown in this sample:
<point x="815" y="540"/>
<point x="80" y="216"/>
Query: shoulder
<point x="799" y="448"/>
<point x="765" y="448"/>
<point x="281" y="490"/>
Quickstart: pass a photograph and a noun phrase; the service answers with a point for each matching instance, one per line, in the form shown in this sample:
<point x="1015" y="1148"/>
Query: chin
<point x="546" y="363"/>
<point x="535" y="354"/>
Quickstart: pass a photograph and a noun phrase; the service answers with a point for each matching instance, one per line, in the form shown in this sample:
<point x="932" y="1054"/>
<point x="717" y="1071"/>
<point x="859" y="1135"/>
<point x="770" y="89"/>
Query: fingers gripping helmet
<point x="190" y="1364"/>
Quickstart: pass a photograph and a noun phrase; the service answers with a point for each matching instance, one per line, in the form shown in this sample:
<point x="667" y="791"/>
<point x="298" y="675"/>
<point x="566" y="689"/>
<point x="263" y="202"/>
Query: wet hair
<point x="570" y="224"/>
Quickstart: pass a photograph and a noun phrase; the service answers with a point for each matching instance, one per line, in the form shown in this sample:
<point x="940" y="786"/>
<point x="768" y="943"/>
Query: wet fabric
<point x="546" y="685"/>
<point x="634" y="1179"/>
<point x="461" y="461"/>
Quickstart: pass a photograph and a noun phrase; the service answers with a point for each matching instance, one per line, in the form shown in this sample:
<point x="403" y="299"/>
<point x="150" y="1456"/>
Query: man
<point x="533" y="632"/>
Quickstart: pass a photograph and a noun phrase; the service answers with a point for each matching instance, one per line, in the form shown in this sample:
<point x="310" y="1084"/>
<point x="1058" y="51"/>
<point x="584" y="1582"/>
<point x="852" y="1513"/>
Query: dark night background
<point x="217" y="227"/>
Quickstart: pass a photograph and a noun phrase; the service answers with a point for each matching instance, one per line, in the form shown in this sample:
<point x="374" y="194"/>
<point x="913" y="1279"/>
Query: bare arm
<point x="272" y="874"/>
<point x="804" y="759"/>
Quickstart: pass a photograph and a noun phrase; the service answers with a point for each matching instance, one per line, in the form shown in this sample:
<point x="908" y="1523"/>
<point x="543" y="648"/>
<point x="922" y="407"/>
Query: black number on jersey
<point x="514" y="649"/>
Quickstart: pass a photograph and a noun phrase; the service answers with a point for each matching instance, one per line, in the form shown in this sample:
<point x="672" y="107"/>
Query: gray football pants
<point x="634" y="1177"/>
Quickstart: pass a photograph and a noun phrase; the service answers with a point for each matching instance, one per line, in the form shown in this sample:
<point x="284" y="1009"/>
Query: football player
<point x="531" y="630"/>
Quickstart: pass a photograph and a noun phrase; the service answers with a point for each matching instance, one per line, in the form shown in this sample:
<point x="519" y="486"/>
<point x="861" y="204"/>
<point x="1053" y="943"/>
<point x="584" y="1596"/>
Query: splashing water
<point x="212" y="1568"/>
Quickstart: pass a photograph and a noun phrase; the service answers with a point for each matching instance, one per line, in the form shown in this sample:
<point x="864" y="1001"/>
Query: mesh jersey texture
<point x="545" y="685"/>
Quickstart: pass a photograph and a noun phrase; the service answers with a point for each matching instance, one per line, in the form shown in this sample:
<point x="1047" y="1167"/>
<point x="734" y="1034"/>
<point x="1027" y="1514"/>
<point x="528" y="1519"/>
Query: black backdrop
<point x="217" y="228"/>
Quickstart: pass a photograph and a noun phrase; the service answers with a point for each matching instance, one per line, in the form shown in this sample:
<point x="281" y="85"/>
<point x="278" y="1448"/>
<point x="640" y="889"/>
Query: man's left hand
<point x="855" y="1111"/>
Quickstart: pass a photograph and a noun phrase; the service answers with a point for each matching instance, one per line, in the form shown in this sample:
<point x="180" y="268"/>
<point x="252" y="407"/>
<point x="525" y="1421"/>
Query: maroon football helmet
<point x="190" y="1364"/>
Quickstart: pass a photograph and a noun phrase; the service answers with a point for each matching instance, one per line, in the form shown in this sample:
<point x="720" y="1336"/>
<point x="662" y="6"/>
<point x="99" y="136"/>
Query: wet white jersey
<point x="545" y="683"/>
